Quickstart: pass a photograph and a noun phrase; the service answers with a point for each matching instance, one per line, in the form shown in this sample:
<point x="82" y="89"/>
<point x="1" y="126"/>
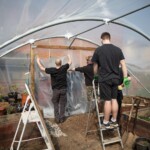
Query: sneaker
<point x="114" y="123"/>
<point x="107" y="125"/>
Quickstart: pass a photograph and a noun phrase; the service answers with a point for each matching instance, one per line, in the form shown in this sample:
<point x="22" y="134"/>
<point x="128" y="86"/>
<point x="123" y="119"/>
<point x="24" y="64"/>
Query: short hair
<point x="89" y="58"/>
<point x="105" y="35"/>
<point x="58" y="62"/>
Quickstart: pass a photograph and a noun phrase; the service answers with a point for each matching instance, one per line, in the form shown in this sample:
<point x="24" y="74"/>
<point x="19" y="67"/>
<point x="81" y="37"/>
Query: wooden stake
<point x="32" y="83"/>
<point x="66" y="47"/>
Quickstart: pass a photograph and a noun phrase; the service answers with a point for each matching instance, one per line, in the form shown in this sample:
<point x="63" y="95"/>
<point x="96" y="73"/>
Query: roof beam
<point x="65" y="47"/>
<point x="112" y="20"/>
<point x="132" y="30"/>
<point x="34" y="30"/>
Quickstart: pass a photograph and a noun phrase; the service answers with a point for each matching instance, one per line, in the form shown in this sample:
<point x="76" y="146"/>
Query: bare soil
<point x="77" y="139"/>
<point x="75" y="129"/>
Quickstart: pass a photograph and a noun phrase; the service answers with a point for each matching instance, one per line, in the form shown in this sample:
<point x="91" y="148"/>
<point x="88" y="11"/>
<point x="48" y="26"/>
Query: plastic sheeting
<point x="15" y="68"/>
<point x="23" y="20"/>
<point x="32" y="19"/>
<point x="76" y="91"/>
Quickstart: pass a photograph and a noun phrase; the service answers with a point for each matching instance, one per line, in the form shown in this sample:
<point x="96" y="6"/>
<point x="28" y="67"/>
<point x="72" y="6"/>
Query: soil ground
<point x="76" y="139"/>
<point x="75" y="129"/>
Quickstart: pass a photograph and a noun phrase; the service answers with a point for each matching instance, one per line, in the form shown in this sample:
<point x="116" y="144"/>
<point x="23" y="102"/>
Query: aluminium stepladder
<point x="101" y="128"/>
<point x="30" y="116"/>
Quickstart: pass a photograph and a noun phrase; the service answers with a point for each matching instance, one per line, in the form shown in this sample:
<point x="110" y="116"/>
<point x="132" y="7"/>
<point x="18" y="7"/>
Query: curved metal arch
<point x="44" y="27"/>
<point x="26" y="43"/>
<point x="83" y="39"/>
<point x="132" y="29"/>
<point x="49" y="25"/>
<point x="34" y="30"/>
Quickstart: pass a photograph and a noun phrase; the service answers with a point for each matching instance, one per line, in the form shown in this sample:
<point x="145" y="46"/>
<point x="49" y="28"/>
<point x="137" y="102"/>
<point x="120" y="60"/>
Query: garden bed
<point x="74" y="132"/>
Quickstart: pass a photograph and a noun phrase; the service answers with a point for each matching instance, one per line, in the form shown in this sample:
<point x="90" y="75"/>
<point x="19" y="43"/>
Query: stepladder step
<point x="111" y="140"/>
<point x="102" y="127"/>
<point x="109" y="133"/>
<point x="32" y="117"/>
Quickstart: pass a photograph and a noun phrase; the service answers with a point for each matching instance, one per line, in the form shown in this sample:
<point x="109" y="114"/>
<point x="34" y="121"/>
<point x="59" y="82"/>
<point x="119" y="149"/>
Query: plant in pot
<point x="141" y="143"/>
<point x="3" y="103"/>
<point x="13" y="94"/>
<point x="24" y="95"/>
<point x="1" y="93"/>
<point x="11" y="109"/>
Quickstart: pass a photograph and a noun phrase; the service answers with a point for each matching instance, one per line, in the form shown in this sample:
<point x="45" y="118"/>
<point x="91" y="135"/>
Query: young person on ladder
<point x="106" y="59"/>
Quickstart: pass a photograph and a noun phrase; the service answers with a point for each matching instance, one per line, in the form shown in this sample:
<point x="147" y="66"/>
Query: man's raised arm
<point x="69" y="60"/>
<point x="39" y="64"/>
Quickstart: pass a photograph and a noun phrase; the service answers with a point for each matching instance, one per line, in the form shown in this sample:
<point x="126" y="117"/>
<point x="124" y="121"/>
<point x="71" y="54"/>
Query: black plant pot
<point x="142" y="143"/>
<point x="13" y="95"/>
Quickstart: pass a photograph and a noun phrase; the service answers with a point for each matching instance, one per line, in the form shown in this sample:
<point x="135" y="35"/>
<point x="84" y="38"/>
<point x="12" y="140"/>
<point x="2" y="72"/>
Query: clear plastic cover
<point x="75" y="23"/>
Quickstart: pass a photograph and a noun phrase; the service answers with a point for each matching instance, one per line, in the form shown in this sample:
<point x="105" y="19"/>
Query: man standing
<point x="88" y="74"/>
<point x="120" y="93"/>
<point x="59" y="86"/>
<point x="107" y="58"/>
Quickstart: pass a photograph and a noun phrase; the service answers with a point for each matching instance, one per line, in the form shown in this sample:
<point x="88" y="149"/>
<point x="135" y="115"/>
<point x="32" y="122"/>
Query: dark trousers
<point x="119" y="100"/>
<point x="59" y="100"/>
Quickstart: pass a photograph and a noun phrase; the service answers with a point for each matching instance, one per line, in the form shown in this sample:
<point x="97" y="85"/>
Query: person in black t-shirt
<point x="88" y="74"/>
<point x="106" y="59"/>
<point x="120" y="93"/>
<point x="59" y="86"/>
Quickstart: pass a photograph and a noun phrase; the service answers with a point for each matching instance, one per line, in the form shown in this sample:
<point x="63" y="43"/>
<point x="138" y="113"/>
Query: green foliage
<point x="1" y="90"/>
<point x="11" y="109"/>
<point x="95" y="77"/>
<point x="13" y="88"/>
<point x="144" y="118"/>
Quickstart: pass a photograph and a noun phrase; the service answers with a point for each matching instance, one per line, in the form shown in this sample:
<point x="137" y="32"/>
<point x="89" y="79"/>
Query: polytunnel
<point x="54" y="29"/>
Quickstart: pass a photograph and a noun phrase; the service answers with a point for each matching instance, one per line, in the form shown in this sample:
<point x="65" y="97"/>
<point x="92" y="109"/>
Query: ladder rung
<point x="29" y="139"/>
<point x="31" y="116"/>
<point x="112" y="140"/>
<point x="107" y="140"/>
<point x="101" y="114"/>
<point x="103" y="128"/>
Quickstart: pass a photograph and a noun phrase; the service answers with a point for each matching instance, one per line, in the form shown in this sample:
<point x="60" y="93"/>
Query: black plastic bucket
<point x="142" y="143"/>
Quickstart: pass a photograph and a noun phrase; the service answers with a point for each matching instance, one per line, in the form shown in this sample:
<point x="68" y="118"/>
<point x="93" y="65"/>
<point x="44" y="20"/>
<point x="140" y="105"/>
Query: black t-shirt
<point x="88" y="73"/>
<point x="58" y="76"/>
<point x="108" y="58"/>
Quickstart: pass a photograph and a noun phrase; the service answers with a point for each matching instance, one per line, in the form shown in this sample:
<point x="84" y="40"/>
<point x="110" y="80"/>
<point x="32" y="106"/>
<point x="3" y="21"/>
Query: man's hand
<point x="37" y="58"/>
<point x="69" y="59"/>
<point x="72" y="69"/>
<point x="126" y="82"/>
<point x="39" y="64"/>
<point x="96" y="77"/>
<point x="120" y="87"/>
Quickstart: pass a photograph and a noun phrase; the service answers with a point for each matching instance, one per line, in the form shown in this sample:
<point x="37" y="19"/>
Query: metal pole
<point x="112" y="20"/>
<point x="50" y="25"/>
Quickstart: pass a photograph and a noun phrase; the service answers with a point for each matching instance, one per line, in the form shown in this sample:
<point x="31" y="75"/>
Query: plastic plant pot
<point x="142" y="143"/>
